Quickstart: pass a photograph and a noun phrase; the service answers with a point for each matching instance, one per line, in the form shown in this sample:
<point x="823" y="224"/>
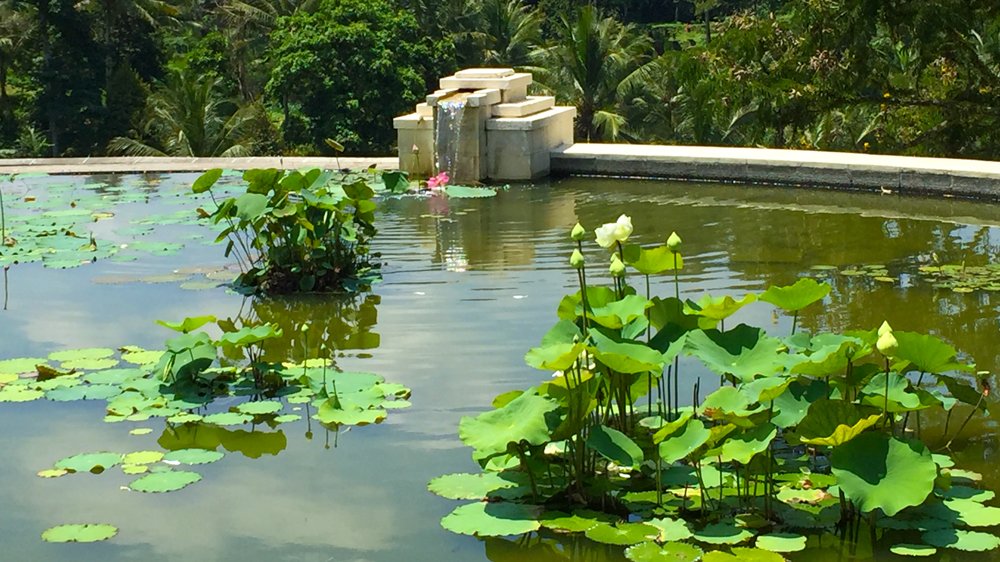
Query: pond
<point x="469" y="286"/>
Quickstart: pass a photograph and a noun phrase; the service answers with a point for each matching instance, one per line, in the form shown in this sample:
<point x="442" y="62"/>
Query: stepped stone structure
<point x="482" y="125"/>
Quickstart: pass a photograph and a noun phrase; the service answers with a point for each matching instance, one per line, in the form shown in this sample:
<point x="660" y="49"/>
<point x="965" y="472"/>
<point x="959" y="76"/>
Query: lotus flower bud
<point x="576" y="260"/>
<point x="887" y="344"/>
<point x="617" y="268"/>
<point x="885" y="327"/>
<point x="578" y="232"/>
<point x="674" y="242"/>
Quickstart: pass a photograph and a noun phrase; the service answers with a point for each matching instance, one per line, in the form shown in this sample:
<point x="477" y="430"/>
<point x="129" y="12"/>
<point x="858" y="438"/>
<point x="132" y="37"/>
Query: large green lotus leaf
<point x="961" y="492"/>
<point x="781" y="542"/>
<point x="724" y="532"/>
<point x="717" y="308"/>
<point x="685" y="442"/>
<point x="21" y="365"/>
<point x="901" y="399"/>
<point x="329" y="413"/>
<point x="669" y="312"/>
<point x="744" y="446"/>
<point x="626" y="357"/>
<point x="792" y="406"/>
<point x="7" y="378"/>
<point x="835" y="422"/>
<point x="905" y="549"/>
<point x="139" y="356"/>
<point x="670" y="552"/>
<point x="188" y="324"/>
<point x="974" y="541"/>
<point x="964" y="392"/>
<point x="79" y="354"/>
<point x="795" y="297"/>
<point x="621" y="312"/>
<point x="90" y="462"/>
<point x="86" y="532"/>
<point x="90" y="364"/>
<point x="729" y="404"/>
<point x="350" y="381"/>
<point x="562" y="331"/>
<point x="743" y="555"/>
<point x="249" y="206"/>
<point x="525" y="418"/>
<point x="671" y="529"/>
<point x="227" y="418"/>
<point x="554" y="357"/>
<point x="578" y="522"/>
<point x="764" y="390"/>
<point x="493" y="519"/>
<point x="764" y="358"/>
<point x="671" y="428"/>
<point x="193" y="456"/>
<point x="965" y="513"/>
<point x="160" y="482"/>
<point x="652" y="261"/>
<point x="19" y="394"/>
<point x="113" y="376"/>
<point x="622" y="534"/>
<point x="927" y="353"/>
<point x="465" y="192"/>
<point x="615" y="446"/>
<point x="142" y="457"/>
<point x="260" y="408"/>
<point x="571" y="306"/>
<point x="248" y="336"/>
<point x="825" y="354"/>
<point x="472" y="486"/>
<point x="206" y="181"/>
<point x="877" y="471"/>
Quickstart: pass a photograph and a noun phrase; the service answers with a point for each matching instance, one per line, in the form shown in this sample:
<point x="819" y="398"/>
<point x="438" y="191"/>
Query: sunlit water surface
<point x="470" y="285"/>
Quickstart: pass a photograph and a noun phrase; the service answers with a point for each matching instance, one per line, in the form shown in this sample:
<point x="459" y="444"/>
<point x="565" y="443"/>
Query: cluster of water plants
<point x="801" y="434"/>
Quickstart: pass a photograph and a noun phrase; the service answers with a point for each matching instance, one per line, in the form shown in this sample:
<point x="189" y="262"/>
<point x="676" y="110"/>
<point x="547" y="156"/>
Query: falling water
<point x="448" y="136"/>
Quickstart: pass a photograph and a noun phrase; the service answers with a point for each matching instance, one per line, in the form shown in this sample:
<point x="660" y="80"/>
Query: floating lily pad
<point x="90" y="462"/>
<point x="160" y="482"/>
<point x="21" y="365"/>
<point x="287" y="418"/>
<point x="228" y="418"/>
<point x="263" y="407"/>
<point x="140" y="431"/>
<point x="493" y="519"/>
<point x="90" y="364"/>
<point x="53" y="473"/>
<point x="670" y="552"/>
<point x="671" y="529"/>
<point x="470" y="486"/>
<point x="87" y="532"/>
<point x="17" y="394"/>
<point x="142" y="457"/>
<point x="961" y="540"/>
<point x="139" y="356"/>
<point x="622" y="534"/>
<point x="135" y="469"/>
<point x="913" y="550"/>
<point x="781" y="542"/>
<point x="575" y="523"/>
<point x="193" y="456"/>
<point x="461" y="192"/>
<point x="725" y="532"/>
<point x="81" y="354"/>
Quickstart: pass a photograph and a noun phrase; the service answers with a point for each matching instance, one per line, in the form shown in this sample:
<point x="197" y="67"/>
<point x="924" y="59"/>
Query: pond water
<point x="469" y="286"/>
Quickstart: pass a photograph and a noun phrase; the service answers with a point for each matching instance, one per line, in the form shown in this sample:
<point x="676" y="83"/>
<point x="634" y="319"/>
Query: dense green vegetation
<point x="237" y="77"/>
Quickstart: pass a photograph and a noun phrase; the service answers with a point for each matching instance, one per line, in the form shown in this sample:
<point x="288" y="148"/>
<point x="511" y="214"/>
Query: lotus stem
<point x="795" y="321"/>
<point x="906" y="418"/>
<point x="967" y="420"/>
<point x="885" y="407"/>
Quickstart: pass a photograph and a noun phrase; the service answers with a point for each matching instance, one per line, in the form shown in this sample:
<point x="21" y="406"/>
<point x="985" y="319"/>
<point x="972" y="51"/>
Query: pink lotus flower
<point x="438" y="181"/>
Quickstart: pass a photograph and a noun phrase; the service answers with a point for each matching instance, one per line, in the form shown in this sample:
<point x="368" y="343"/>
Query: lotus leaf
<point x="961" y="540"/>
<point x="188" y="324"/>
<point x="193" y="456"/>
<point x="206" y="181"/>
<point x="835" y="422"/>
<point x="913" y="550"/>
<point x="652" y="261"/>
<point x="135" y="469"/>
<point x="965" y="492"/>
<point x="90" y="462"/>
<point x="464" y="192"/>
<point x="81" y="354"/>
<point x="671" y="529"/>
<point x="724" y="532"/>
<point x="670" y="552"/>
<point x="622" y="534"/>
<point x="16" y="394"/>
<point x="716" y="309"/>
<point x="795" y="297"/>
<point x="160" y="482"/>
<point x="927" y="353"/>
<point x="744" y="446"/>
<point x="781" y="542"/>
<point x="526" y="418"/>
<point x="53" y="472"/>
<point x="579" y="521"/>
<point x="139" y="356"/>
<point x="472" y="486"/>
<point x="619" y="313"/>
<point x="554" y="357"/>
<point x="260" y="408"/>
<point x="86" y="532"/>
<point x="688" y="440"/>
<point x="876" y="471"/>
<point x="228" y="418"/>
<point x="289" y="418"/>
<point x="493" y="519"/>
<point x="965" y="512"/>
<point x="249" y="336"/>
<point x="626" y="357"/>
<point x="330" y="413"/>
<point x="21" y="365"/>
<point x="743" y="555"/>
<point x="901" y="399"/>
<point x="763" y="357"/>
<point x="615" y="446"/>
<point x="142" y="457"/>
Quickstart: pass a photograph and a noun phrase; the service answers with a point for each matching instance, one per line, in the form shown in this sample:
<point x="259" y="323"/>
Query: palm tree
<point x="186" y="116"/>
<point x="15" y="30"/>
<point x="512" y="33"/>
<point x="588" y="66"/>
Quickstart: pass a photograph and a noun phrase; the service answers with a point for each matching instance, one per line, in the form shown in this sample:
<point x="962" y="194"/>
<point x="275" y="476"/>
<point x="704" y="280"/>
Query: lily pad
<point x="470" y="486"/>
<point x="913" y="550"/>
<point x="81" y="354"/>
<point x="462" y="192"/>
<point x="193" y="456"/>
<point x="781" y="542"/>
<point x="622" y="534"/>
<point x="575" y="523"/>
<point x="671" y="529"/>
<point x="670" y="552"/>
<point x="725" y="532"/>
<point x="522" y="419"/>
<point x="90" y="462"/>
<point x="160" y="482"/>
<point x="260" y="408"/>
<point x="228" y="418"/>
<point x="86" y="532"/>
<point x="53" y="473"/>
<point x="974" y="541"/>
<point x="795" y="297"/>
<point x="142" y="457"/>
<point x="493" y="519"/>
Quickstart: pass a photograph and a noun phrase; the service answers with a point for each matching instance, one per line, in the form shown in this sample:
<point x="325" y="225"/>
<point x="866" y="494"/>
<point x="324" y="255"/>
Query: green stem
<point x="795" y="321"/>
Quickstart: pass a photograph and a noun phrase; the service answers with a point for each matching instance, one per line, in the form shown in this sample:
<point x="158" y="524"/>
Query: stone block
<point x="485" y="73"/>
<point x="529" y="106"/>
<point x="484" y="98"/>
<point x="517" y="80"/>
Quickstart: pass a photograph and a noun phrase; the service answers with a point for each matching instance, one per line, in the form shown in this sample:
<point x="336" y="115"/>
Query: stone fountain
<point x="482" y="125"/>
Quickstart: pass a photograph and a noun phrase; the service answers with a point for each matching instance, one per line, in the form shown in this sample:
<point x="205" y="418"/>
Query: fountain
<point x="482" y="125"/>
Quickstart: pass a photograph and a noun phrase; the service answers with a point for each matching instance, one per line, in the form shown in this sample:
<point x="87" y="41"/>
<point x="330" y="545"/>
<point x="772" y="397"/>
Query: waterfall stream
<point x="448" y="136"/>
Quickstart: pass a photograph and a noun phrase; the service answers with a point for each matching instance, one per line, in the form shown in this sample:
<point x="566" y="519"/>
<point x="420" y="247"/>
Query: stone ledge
<point x="514" y="81"/>
<point x="902" y="174"/>
<point x="413" y="121"/>
<point x="530" y="122"/>
<point x="530" y="106"/>
<point x="129" y="165"/>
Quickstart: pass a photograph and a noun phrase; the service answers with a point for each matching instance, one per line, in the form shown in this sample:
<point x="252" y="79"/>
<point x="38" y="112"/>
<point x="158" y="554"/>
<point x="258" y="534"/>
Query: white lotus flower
<point x="613" y="232"/>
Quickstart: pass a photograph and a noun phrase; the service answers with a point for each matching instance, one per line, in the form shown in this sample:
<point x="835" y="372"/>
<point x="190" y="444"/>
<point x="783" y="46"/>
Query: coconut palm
<point x="588" y="66"/>
<point x="186" y="116"/>
<point x="512" y="31"/>
<point x="15" y="30"/>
